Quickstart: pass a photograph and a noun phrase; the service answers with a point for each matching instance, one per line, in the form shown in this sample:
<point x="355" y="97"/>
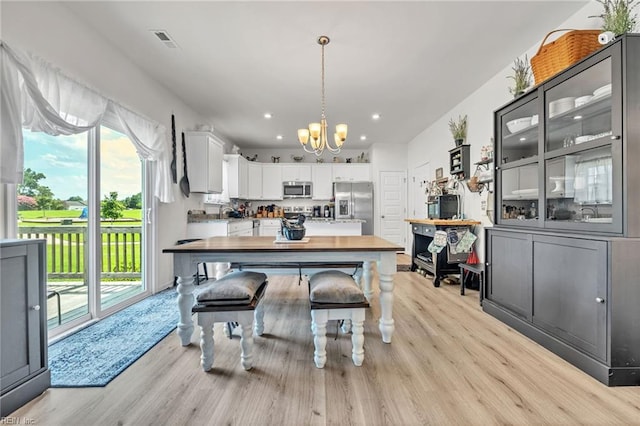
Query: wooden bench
<point x="248" y="314"/>
<point x="334" y="295"/>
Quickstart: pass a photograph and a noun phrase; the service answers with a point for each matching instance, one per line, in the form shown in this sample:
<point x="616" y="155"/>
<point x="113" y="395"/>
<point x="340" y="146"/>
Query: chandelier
<point x="317" y="132"/>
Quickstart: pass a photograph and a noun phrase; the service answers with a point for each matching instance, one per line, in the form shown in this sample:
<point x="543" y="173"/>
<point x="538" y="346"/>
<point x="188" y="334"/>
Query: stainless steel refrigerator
<point x="354" y="200"/>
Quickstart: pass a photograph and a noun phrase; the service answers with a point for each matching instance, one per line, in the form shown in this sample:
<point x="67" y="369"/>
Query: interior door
<point x="393" y="190"/>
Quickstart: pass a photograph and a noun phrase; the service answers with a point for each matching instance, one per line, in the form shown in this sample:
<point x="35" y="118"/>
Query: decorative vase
<point x="459" y="142"/>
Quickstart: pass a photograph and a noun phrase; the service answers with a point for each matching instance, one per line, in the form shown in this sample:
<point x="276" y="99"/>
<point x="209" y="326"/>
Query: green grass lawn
<point x="130" y="217"/>
<point x="69" y="255"/>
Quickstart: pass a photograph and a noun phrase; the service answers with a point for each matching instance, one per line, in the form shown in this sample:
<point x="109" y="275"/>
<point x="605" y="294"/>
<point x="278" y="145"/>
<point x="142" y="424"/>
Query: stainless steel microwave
<point x="296" y="189"/>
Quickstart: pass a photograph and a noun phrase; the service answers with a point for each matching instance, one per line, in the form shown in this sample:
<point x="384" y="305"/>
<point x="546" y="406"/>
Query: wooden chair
<point x="236" y="297"/>
<point x="334" y="295"/>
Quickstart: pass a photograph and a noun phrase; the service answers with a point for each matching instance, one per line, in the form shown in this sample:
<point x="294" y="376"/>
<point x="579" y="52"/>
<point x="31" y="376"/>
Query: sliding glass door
<point x="121" y="224"/>
<point x="86" y="195"/>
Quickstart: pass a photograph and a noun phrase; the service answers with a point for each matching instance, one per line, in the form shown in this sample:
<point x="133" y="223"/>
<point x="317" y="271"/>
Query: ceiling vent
<point x="164" y="37"/>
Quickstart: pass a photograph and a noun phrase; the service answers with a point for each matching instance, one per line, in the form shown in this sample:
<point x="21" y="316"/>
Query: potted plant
<point x="458" y="129"/>
<point x="521" y="76"/>
<point x="616" y="16"/>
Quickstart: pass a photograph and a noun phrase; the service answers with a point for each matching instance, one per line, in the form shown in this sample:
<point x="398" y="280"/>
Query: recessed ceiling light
<point x="267" y="115"/>
<point x="363" y="137"/>
<point x="376" y="116"/>
<point x="577" y="117"/>
<point x="279" y="137"/>
<point x="523" y="139"/>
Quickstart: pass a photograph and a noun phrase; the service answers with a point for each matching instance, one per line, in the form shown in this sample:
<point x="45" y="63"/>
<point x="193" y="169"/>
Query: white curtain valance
<point x="38" y="97"/>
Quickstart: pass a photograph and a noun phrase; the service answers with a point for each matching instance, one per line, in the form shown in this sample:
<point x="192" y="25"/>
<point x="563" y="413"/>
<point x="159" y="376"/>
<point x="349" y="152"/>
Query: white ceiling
<point x="410" y="61"/>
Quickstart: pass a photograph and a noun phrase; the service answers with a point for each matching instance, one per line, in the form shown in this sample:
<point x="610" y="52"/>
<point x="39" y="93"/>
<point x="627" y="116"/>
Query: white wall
<point x="48" y="30"/>
<point x="432" y="145"/>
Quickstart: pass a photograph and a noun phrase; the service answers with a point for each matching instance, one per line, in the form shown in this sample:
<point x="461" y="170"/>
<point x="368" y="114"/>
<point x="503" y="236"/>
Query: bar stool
<point x="334" y="295"/>
<point x="236" y="297"/>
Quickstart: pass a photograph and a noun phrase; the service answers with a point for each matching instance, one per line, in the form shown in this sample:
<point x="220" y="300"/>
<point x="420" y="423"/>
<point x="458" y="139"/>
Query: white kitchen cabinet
<point x="204" y="162"/>
<point x="238" y="176"/>
<point x="270" y="227"/>
<point x="331" y="228"/>
<point x="223" y="197"/>
<point x="241" y="228"/>
<point x="254" y="181"/>
<point x="296" y="172"/>
<point x="351" y="172"/>
<point x="321" y="181"/>
<point x="271" y="182"/>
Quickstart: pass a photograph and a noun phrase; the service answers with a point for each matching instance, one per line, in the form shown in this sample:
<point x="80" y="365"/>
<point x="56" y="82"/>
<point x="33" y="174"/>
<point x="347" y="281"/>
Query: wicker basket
<point x="561" y="53"/>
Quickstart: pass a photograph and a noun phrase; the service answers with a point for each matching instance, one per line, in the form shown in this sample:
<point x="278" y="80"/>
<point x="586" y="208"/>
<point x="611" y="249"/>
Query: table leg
<point x="367" y="275"/>
<point x="386" y="270"/>
<point x="186" y="300"/>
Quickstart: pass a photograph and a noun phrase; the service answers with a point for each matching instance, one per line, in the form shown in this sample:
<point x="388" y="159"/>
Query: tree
<point x="76" y="198"/>
<point x="111" y="207"/>
<point x="30" y="183"/>
<point x="44" y="199"/>
<point x="26" y="203"/>
<point x="134" y="202"/>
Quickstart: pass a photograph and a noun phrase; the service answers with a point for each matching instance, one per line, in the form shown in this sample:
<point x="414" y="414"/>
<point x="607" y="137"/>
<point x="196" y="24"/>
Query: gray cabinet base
<point x="21" y="394"/>
<point x="610" y="376"/>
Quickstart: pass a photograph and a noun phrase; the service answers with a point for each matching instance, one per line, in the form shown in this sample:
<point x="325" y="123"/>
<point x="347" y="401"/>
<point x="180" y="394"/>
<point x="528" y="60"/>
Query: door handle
<point x="382" y="216"/>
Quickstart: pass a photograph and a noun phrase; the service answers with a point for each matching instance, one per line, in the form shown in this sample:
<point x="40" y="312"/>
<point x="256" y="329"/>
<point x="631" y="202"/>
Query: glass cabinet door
<point x="520" y="194"/>
<point x="580" y="186"/>
<point x="581" y="155"/>
<point x="519" y="131"/>
<point x="579" y="109"/>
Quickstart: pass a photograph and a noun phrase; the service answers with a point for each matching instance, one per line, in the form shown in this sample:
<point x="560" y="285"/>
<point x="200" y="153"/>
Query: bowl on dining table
<point x="518" y="124"/>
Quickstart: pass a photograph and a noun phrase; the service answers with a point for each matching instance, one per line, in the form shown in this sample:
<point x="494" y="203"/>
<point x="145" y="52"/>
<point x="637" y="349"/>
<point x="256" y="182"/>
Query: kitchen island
<point x="445" y="262"/>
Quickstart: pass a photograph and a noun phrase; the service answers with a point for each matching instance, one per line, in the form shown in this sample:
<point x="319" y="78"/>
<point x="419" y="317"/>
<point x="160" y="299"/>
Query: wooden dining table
<point x="271" y="256"/>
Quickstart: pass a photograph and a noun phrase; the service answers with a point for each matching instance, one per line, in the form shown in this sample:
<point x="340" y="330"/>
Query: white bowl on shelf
<point x="602" y="91"/>
<point x="584" y="138"/>
<point x="582" y="100"/>
<point x="561" y="105"/>
<point x="518" y="124"/>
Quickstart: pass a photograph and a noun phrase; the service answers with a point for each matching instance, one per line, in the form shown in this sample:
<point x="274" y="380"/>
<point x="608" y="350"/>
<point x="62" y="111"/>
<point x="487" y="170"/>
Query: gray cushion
<point x="236" y="288"/>
<point x="334" y="287"/>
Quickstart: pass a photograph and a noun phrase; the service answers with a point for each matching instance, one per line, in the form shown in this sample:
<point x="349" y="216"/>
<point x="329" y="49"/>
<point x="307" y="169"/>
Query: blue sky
<point x="63" y="160"/>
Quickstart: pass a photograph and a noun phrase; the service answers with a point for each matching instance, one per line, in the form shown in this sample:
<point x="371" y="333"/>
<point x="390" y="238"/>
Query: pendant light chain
<point x="318" y="131"/>
<point x="322" y="75"/>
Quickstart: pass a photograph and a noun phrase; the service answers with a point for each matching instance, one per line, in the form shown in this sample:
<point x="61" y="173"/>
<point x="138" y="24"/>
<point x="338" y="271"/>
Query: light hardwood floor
<point x="449" y="364"/>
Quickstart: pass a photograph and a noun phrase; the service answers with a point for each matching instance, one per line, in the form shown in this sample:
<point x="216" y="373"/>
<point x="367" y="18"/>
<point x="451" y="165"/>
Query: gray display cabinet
<point x="562" y="260"/>
<point x="24" y="372"/>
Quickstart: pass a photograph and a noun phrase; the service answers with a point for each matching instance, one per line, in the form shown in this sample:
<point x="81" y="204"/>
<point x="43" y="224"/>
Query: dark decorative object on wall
<point x="174" y="172"/>
<point x="184" y="182"/>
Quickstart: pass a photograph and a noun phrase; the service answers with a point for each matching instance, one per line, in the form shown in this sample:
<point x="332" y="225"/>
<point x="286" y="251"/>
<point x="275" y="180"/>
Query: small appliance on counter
<point x="316" y="211"/>
<point x="442" y="206"/>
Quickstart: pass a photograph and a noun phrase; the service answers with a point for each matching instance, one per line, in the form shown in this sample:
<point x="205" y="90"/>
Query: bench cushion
<point x="236" y="288"/>
<point x="334" y="287"/>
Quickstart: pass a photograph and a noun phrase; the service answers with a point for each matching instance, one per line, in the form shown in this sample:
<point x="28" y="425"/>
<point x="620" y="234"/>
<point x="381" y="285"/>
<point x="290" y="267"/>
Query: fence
<point x="66" y="250"/>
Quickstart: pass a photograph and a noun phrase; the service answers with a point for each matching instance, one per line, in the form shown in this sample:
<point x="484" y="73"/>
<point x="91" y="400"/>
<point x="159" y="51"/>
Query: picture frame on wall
<point x="439" y="173"/>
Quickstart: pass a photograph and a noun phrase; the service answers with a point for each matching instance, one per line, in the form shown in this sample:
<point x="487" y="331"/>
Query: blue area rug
<point x="97" y="354"/>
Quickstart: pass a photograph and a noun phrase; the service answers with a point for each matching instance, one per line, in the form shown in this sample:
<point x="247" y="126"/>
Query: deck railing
<point x="66" y="252"/>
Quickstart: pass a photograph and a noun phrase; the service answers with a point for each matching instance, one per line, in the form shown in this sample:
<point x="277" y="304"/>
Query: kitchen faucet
<point x="594" y="210"/>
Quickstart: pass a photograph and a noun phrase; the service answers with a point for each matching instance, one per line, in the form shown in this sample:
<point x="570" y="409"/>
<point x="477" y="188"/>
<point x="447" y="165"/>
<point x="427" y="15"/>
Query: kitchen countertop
<point x="445" y="222"/>
<point x="200" y="218"/>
